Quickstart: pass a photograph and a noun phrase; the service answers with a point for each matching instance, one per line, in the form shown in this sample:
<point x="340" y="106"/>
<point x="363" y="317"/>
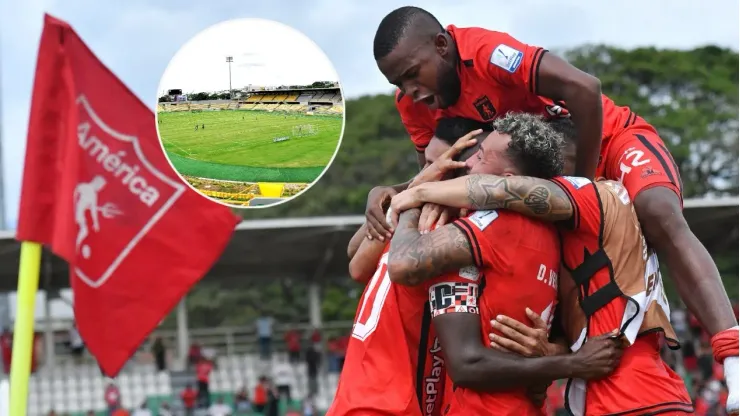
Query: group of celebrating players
<point x="525" y="249"/>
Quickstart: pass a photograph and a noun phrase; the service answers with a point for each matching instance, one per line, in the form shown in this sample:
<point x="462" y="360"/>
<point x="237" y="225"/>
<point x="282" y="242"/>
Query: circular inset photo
<point x="250" y="112"/>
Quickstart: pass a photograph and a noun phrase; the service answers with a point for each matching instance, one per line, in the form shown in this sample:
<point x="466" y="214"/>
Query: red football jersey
<point x="394" y="363"/>
<point x="516" y="267"/>
<point x="499" y="75"/>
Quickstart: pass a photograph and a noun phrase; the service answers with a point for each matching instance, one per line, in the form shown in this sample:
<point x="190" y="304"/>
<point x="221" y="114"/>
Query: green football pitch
<point x="238" y="145"/>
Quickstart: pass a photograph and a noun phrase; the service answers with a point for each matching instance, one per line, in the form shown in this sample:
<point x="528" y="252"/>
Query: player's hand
<point x="377" y="200"/>
<point x="597" y="358"/>
<point x="446" y="163"/>
<point x="404" y="201"/>
<point x="432" y="216"/>
<point x="519" y="338"/>
<point x="537" y="394"/>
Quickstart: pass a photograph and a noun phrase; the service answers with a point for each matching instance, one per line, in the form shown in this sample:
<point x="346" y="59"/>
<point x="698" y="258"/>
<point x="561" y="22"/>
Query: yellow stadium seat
<point x="271" y="190"/>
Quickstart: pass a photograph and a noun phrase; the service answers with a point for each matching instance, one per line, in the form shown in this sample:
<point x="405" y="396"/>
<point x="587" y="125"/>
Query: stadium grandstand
<point x="308" y="101"/>
<point x="317" y="256"/>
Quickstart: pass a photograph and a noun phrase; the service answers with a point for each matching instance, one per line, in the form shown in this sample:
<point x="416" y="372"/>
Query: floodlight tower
<point x="229" y="60"/>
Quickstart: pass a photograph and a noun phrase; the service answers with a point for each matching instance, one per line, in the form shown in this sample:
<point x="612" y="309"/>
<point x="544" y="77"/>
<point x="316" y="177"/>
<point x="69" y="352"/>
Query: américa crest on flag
<point x="98" y="190"/>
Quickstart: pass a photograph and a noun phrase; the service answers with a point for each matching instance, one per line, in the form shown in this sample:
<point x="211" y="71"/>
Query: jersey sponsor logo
<point x="450" y="297"/>
<point x="507" y="58"/>
<point x="483" y="219"/>
<point x="649" y="171"/>
<point x="485" y="108"/>
<point x="433" y="380"/>
<point x="576" y="181"/>
<point x="470" y="273"/>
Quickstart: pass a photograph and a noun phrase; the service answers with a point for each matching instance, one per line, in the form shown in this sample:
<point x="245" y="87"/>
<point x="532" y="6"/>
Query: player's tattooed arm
<point x="416" y="257"/>
<point x="534" y="197"/>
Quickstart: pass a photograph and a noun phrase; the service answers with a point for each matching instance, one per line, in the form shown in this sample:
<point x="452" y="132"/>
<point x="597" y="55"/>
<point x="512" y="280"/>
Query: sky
<point x="138" y="38"/>
<point x="283" y="56"/>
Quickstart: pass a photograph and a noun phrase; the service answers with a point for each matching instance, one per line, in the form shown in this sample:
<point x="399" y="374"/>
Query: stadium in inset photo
<point x="250" y="112"/>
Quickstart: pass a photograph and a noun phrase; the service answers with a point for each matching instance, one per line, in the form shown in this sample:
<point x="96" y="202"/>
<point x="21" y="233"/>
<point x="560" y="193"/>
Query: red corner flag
<point x="99" y="191"/>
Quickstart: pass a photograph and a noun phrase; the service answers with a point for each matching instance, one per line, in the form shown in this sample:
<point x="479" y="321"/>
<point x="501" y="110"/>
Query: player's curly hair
<point x="396" y="25"/>
<point x="536" y="147"/>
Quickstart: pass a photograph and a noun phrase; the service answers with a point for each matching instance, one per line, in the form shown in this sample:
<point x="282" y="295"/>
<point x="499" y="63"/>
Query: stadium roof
<point x="315" y="247"/>
<point x="290" y="89"/>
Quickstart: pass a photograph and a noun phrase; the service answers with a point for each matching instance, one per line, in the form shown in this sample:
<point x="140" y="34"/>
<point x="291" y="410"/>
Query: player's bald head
<point x="403" y="23"/>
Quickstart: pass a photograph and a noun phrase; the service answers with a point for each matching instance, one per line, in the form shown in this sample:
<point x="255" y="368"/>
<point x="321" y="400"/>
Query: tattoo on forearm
<point x="529" y="196"/>
<point x="427" y="255"/>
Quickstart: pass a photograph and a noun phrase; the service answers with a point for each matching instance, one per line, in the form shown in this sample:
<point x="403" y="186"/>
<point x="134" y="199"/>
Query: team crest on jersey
<point x="485" y="108"/>
<point x="507" y="58"/>
<point x="576" y="181"/>
<point x="483" y="219"/>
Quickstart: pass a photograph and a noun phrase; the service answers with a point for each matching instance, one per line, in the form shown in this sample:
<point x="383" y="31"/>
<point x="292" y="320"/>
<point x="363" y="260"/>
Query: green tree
<point x="690" y="96"/>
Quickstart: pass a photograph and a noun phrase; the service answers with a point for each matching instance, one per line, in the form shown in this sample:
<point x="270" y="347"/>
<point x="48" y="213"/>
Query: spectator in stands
<point x="165" y="410"/>
<point x="260" y="395"/>
<point x="112" y="398"/>
<point x="283" y="375"/>
<point x="194" y="355"/>
<point x="6" y="346"/>
<point x="121" y="412"/>
<point x="313" y="360"/>
<point x="188" y="397"/>
<point x="76" y="346"/>
<point x="273" y="399"/>
<point x="333" y="354"/>
<point x="264" y="333"/>
<point x="316" y="336"/>
<point x="220" y="408"/>
<point x="143" y="410"/>
<point x="293" y="341"/>
<point x="241" y="401"/>
<point x="309" y="407"/>
<point x="203" y="374"/>
<point x="159" y="352"/>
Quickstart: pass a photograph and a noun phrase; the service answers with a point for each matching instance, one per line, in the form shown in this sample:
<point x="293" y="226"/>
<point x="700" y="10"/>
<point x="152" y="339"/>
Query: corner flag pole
<point x="28" y="284"/>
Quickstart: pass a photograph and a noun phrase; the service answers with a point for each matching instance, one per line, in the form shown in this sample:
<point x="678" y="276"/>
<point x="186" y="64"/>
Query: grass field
<point x="238" y="145"/>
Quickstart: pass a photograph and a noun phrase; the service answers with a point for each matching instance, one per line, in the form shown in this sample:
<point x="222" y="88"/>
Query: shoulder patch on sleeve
<point x="469" y="273"/>
<point x="507" y="58"/>
<point x="483" y="219"/>
<point x="577" y="182"/>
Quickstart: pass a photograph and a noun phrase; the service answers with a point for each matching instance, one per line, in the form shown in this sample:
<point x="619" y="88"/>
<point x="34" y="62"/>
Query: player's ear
<point x="442" y="43"/>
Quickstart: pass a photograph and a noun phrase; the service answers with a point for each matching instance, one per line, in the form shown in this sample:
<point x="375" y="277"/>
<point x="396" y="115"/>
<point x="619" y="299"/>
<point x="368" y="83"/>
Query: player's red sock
<point x="726" y="344"/>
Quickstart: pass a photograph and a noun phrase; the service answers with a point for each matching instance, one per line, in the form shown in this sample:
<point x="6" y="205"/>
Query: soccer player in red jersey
<point x="611" y="281"/>
<point x="394" y="364"/>
<point x="483" y="74"/>
<point x="491" y="263"/>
